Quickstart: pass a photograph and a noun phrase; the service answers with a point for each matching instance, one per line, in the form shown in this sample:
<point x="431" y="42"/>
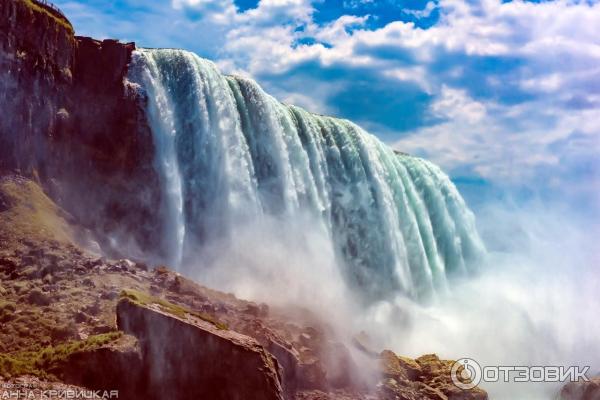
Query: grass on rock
<point x="174" y="309"/>
<point x="40" y="9"/>
<point x="37" y="363"/>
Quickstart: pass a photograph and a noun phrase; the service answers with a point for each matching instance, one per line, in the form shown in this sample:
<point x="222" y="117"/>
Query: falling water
<point x="229" y="155"/>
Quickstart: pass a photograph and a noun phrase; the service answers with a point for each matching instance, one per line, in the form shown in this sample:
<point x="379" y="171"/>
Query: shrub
<point x="39" y="362"/>
<point x="64" y="332"/>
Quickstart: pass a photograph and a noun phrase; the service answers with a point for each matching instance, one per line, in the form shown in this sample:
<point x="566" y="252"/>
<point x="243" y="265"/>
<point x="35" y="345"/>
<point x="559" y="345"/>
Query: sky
<point x="503" y="95"/>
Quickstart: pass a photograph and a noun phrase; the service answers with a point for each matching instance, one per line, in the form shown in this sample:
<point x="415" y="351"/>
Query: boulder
<point x="187" y="355"/>
<point x="582" y="390"/>
<point x="113" y="366"/>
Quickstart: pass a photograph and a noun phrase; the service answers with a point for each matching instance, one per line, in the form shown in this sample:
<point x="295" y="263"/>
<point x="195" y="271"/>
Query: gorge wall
<point x="70" y="122"/>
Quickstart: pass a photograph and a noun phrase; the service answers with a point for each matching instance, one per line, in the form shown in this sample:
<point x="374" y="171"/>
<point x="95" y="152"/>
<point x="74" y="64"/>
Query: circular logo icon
<point x="466" y="373"/>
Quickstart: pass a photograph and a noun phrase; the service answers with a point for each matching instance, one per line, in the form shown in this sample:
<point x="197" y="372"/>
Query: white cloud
<point x="510" y="90"/>
<point x="424" y="13"/>
<point x="457" y="105"/>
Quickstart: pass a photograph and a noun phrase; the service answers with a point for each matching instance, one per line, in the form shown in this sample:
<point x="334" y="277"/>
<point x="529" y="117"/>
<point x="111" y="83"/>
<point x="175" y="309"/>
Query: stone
<point x="427" y="377"/>
<point x="189" y="357"/>
<point x="582" y="390"/>
<point x="114" y="366"/>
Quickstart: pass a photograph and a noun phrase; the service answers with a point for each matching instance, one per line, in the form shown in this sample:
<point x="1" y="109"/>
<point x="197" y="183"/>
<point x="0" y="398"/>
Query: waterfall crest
<point x="229" y="154"/>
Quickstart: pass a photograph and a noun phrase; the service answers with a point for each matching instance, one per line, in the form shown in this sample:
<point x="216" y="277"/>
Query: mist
<point x="533" y="301"/>
<point x="279" y="261"/>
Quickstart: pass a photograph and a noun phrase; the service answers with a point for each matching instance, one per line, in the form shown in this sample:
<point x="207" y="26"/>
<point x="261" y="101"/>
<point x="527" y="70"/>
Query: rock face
<point x="70" y="120"/>
<point x="36" y="59"/>
<point x="115" y="366"/>
<point x="188" y="357"/>
<point x="581" y="390"/>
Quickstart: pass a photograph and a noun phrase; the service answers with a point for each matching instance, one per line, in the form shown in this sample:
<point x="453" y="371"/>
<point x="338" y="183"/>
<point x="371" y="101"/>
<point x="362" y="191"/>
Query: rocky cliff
<point x="70" y="121"/>
<point x="206" y="361"/>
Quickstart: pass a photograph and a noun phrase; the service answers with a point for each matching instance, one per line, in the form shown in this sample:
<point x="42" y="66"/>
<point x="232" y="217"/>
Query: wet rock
<point x="154" y="290"/>
<point x="182" y="286"/>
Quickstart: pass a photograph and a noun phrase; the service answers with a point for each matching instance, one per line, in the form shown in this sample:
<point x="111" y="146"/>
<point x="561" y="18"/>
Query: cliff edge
<point x="71" y="122"/>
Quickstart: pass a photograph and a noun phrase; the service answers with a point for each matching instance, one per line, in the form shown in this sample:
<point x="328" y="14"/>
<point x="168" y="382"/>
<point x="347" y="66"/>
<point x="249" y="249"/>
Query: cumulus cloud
<point x="504" y="91"/>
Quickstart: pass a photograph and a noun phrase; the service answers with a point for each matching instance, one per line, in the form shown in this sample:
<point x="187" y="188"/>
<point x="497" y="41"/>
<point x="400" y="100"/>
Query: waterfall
<point x="229" y="154"/>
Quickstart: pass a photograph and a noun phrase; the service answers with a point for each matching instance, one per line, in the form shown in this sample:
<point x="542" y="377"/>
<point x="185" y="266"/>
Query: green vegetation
<point x="32" y="215"/>
<point x="144" y="299"/>
<point x="59" y="19"/>
<point x="38" y="363"/>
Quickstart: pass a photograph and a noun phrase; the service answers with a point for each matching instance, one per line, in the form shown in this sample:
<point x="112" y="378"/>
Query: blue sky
<point x="504" y="95"/>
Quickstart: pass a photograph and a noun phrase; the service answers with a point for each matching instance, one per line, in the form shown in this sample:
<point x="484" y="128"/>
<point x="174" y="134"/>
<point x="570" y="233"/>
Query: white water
<point x="231" y="155"/>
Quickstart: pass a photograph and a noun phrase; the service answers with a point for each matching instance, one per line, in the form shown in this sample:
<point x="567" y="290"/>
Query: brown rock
<point x="188" y="357"/>
<point x="427" y="377"/>
<point x="114" y="366"/>
<point x="398" y="367"/>
<point x="581" y="390"/>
